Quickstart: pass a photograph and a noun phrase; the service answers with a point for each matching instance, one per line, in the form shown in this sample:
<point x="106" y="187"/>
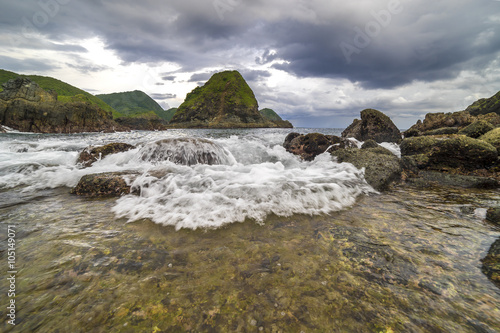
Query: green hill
<point x="169" y="114"/>
<point x="133" y="104"/>
<point x="65" y="92"/>
<point x="485" y="105"/>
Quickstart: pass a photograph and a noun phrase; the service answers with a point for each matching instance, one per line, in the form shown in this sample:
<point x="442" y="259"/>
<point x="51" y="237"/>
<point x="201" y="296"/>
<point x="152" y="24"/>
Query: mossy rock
<point x="477" y="129"/>
<point x="109" y="184"/>
<point x="492" y="137"/>
<point x="493" y="215"/>
<point x="491" y="263"/>
<point x="442" y="131"/>
<point x="457" y="152"/>
<point x="92" y="154"/>
<point x="381" y="166"/>
<point x="369" y="144"/>
<point x="310" y="145"/>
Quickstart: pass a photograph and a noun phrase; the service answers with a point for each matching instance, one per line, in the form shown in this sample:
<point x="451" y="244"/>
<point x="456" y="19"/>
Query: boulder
<point x="369" y="144"/>
<point x="493" y="215"/>
<point x="492" y="137"/>
<point x="310" y="145"/>
<point x="477" y="129"/>
<point x="110" y="184"/>
<point x="92" y="154"/>
<point x="491" y="263"/>
<point x="457" y="152"/>
<point x="381" y="166"/>
<point x="373" y="125"/>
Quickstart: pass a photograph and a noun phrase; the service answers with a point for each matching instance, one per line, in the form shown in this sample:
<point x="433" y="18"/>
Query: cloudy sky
<point x="317" y="63"/>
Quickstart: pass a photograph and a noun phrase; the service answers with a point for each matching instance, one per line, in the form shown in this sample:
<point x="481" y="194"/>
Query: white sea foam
<point x="251" y="175"/>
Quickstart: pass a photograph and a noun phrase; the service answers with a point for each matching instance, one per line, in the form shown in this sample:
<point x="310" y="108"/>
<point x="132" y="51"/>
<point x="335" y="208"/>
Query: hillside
<point x="65" y="91"/>
<point x="225" y="101"/>
<point x="485" y="105"/>
<point x="132" y="103"/>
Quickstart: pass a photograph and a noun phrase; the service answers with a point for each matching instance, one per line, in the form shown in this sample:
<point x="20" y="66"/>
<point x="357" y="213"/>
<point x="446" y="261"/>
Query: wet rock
<point x="310" y="145"/>
<point x="373" y="125"/>
<point x="491" y="263"/>
<point x="493" y="215"/>
<point x="492" y="137"/>
<point x="369" y="144"/>
<point x="92" y="154"/>
<point x="381" y="166"/>
<point x="477" y="129"/>
<point x="430" y="178"/>
<point x="102" y="185"/>
<point x="458" y="152"/>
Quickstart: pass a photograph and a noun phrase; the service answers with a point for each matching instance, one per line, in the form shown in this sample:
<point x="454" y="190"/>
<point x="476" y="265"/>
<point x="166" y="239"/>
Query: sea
<point x="259" y="241"/>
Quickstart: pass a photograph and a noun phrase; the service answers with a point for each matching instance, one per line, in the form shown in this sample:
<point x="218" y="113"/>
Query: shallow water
<point x="403" y="261"/>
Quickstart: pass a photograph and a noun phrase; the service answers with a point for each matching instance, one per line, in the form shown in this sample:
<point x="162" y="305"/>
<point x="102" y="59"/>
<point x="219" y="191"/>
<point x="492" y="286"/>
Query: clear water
<point x="262" y="242"/>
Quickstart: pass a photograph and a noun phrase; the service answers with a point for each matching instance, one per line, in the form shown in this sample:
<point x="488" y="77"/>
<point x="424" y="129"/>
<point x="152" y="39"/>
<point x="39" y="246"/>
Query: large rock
<point x="225" y="101"/>
<point x="492" y="137"/>
<point x="491" y="263"/>
<point x="381" y="166"/>
<point x="477" y="129"/>
<point x="453" y="153"/>
<point x="26" y="107"/>
<point x="143" y="124"/>
<point x="110" y="184"/>
<point x="310" y="145"/>
<point x="373" y="125"/>
<point x="92" y="154"/>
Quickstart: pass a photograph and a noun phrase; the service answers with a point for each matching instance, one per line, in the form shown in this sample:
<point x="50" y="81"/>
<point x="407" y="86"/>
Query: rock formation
<point x="373" y="125"/>
<point x="26" y="107"/>
<point x="92" y="154"/>
<point x="225" y="101"/>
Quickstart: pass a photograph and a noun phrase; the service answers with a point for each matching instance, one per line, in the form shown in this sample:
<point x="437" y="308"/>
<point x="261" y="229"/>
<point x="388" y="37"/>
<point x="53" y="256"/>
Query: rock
<point x="493" y="215"/>
<point x="142" y="124"/>
<point x="431" y="178"/>
<point x="477" y="129"/>
<point x="369" y="144"/>
<point x="491" y="263"/>
<point x="381" y="166"/>
<point x="91" y="154"/>
<point x="102" y="185"/>
<point x="271" y="115"/>
<point x="373" y="125"/>
<point x="26" y="89"/>
<point x="485" y="105"/>
<point x="225" y="101"/>
<point x="310" y="145"/>
<point x="492" y="137"/>
<point x="26" y="107"/>
<point x="458" y="152"/>
<point x="441" y="131"/>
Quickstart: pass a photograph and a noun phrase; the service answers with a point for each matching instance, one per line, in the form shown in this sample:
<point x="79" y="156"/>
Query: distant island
<point x="33" y="103"/>
<point x="225" y="101"/>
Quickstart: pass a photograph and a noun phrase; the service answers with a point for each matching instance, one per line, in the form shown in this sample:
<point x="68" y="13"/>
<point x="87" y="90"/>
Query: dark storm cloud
<point x="419" y="40"/>
<point x="26" y="66"/>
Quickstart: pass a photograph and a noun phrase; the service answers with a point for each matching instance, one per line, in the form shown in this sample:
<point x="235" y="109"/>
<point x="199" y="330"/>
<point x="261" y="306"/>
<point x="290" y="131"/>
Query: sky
<point x="317" y="63"/>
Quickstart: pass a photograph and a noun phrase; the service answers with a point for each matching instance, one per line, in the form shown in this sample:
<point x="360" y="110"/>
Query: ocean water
<point x="256" y="241"/>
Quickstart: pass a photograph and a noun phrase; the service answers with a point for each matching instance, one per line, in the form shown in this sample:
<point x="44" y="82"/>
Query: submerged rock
<point x="373" y="125"/>
<point x="310" y="145"/>
<point x="381" y="166"/>
<point x="186" y="151"/>
<point x="110" y="184"/>
<point x="491" y="263"/>
<point x="92" y="154"/>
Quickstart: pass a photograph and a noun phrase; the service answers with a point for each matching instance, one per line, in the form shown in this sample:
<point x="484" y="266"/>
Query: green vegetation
<point x="169" y="114"/>
<point x="485" y="105"/>
<point x="270" y="114"/>
<point x="136" y="104"/>
<point x="65" y="91"/>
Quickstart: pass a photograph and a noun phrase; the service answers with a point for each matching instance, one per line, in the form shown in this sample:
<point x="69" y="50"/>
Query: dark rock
<point x="491" y="263"/>
<point x="458" y="152"/>
<point x="381" y="166"/>
<point x="143" y="124"/>
<point x="26" y="89"/>
<point x="485" y="105"/>
<point x="310" y="145"/>
<point x="493" y="215"/>
<point x="477" y="129"/>
<point x="91" y="154"/>
<point x="102" y="185"/>
<point x="431" y="178"/>
<point x="373" y="125"/>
